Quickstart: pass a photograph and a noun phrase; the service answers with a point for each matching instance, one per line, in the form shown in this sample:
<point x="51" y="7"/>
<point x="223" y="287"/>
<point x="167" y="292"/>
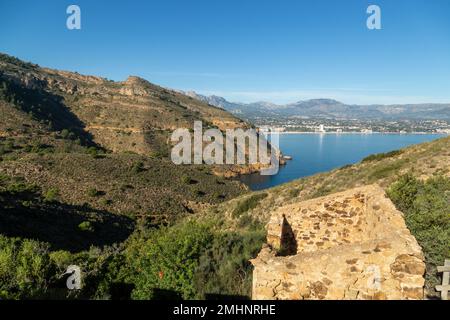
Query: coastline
<point x="354" y="132"/>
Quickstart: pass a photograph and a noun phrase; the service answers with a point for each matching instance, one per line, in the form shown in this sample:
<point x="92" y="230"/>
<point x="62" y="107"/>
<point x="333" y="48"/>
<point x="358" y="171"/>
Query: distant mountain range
<point x="331" y="109"/>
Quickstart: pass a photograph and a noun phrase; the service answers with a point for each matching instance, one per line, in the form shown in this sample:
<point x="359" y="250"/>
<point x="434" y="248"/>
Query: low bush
<point x="95" y="153"/>
<point x="426" y="206"/>
<point x="19" y="187"/>
<point x="224" y="268"/>
<point x="25" y="268"/>
<point x="51" y="195"/>
<point x="248" y="203"/>
<point x="189" y="260"/>
<point x="294" y="192"/>
<point x="381" y="156"/>
<point x="138" y="167"/>
<point x="167" y="260"/>
<point x="86" y="226"/>
<point x="385" y="170"/>
<point x="186" y="179"/>
<point x="92" y="192"/>
<point x="67" y="134"/>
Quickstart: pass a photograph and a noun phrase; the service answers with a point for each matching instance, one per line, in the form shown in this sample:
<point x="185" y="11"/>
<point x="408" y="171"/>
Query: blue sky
<point x="280" y="51"/>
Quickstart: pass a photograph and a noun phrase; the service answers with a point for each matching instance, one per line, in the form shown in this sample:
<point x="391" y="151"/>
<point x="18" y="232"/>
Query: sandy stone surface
<point x="348" y="245"/>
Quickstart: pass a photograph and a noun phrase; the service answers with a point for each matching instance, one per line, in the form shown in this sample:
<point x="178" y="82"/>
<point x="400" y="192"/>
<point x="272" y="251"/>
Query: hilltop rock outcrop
<point x="348" y="245"/>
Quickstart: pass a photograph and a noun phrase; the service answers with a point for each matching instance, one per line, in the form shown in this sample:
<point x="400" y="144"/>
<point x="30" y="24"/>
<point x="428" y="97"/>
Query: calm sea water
<point x="314" y="153"/>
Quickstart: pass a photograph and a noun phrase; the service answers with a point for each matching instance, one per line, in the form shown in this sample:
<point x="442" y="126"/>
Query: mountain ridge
<point x="105" y="144"/>
<point x="331" y="108"/>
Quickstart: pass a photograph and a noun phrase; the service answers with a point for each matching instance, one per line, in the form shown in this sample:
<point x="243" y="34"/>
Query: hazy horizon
<point x="252" y="97"/>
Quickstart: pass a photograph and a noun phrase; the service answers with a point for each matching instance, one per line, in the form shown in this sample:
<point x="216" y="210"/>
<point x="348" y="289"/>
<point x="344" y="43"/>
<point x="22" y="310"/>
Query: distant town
<point x="328" y="115"/>
<point x="352" y="126"/>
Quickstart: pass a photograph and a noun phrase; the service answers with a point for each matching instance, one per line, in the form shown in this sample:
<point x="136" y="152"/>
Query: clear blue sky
<point x="281" y="51"/>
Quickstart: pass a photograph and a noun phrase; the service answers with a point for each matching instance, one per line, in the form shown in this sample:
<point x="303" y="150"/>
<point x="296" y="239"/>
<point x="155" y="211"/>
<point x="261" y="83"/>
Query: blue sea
<point x="314" y="153"/>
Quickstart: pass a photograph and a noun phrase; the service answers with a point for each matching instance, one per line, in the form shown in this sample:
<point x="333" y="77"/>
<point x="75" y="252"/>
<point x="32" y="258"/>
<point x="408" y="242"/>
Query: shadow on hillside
<point x="156" y="141"/>
<point x="21" y="215"/>
<point x="44" y="106"/>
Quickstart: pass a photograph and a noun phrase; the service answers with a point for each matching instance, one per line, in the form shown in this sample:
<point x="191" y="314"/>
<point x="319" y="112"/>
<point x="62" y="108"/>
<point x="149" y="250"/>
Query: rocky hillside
<point x="87" y="141"/>
<point x="133" y="115"/>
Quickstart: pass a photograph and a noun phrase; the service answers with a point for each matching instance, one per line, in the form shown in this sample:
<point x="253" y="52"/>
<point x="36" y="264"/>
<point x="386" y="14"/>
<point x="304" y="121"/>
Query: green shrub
<point x="3" y="178"/>
<point x="191" y="260"/>
<point x="218" y="196"/>
<point x="426" y="206"/>
<point x="294" y="192"/>
<point x="188" y="260"/>
<point x="40" y="148"/>
<point x="168" y="259"/>
<point x="92" y="192"/>
<point x="6" y="147"/>
<point x="404" y="192"/>
<point x="20" y="187"/>
<point x="106" y="202"/>
<point x="224" y="267"/>
<point x="9" y="145"/>
<point x="102" y="272"/>
<point x="25" y="268"/>
<point x="245" y="220"/>
<point x="159" y="154"/>
<point x="381" y="156"/>
<point x="67" y="135"/>
<point x="138" y="167"/>
<point x="86" y="226"/>
<point x="248" y="203"/>
<point x="51" y="195"/>
<point x="186" y="179"/>
<point x="95" y="153"/>
<point x="385" y="170"/>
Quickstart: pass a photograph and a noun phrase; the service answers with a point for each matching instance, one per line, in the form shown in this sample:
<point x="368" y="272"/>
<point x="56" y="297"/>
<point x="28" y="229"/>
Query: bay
<point x="315" y="153"/>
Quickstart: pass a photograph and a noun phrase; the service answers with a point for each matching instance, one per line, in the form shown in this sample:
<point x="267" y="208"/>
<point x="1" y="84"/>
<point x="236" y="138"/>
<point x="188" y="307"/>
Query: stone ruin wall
<point x="349" y="245"/>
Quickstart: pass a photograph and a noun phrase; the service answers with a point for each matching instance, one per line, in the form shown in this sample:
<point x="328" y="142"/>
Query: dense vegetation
<point x="380" y="156"/>
<point x="24" y="268"/>
<point x="426" y="206"/>
<point x="44" y="107"/>
<point x="190" y="260"/>
<point x="186" y="259"/>
<point x="196" y="260"/>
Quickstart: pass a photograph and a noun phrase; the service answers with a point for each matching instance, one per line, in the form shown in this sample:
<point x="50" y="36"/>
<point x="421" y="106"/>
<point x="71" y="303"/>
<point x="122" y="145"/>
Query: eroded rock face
<point x="349" y="245"/>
